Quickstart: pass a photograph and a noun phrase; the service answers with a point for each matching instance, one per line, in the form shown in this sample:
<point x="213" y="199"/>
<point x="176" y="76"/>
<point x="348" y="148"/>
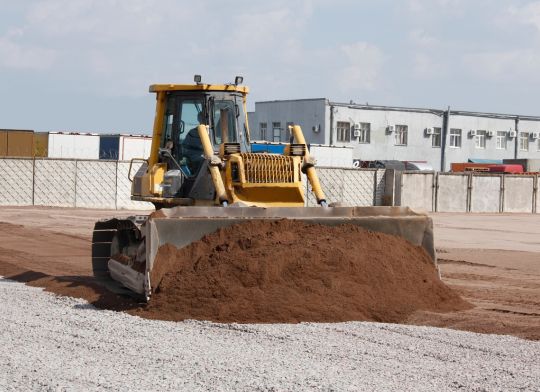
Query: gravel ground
<point x="60" y="343"/>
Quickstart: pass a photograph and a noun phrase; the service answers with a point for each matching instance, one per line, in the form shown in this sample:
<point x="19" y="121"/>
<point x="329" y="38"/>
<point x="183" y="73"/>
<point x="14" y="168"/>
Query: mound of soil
<point x="290" y="271"/>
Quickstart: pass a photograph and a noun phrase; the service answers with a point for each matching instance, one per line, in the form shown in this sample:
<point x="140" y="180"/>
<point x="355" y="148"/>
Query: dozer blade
<point x="180" y="226"/>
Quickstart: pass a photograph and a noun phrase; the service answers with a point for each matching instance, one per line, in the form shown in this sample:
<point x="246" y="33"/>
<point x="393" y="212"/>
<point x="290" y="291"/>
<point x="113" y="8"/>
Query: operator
<point x="192" y="148"/>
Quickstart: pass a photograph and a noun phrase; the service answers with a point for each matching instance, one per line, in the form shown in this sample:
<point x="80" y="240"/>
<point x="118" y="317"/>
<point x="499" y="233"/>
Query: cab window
<point x="224" y="121"/>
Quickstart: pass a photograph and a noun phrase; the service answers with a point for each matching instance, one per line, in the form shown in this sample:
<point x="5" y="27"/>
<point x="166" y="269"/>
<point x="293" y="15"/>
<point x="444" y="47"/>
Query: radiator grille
<point x="268" y="168"/>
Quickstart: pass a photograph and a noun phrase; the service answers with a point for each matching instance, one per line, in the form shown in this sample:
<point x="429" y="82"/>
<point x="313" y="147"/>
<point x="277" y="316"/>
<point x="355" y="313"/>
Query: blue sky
<point x="85" y="65"/>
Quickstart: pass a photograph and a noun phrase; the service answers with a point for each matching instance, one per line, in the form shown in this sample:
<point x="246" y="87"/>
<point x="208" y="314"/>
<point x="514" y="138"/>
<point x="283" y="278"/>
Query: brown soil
<point x="50" y="248"/>
<point x="58" y="262"/>
<point x="289" y="271"/>
<point x="503" y="286"/>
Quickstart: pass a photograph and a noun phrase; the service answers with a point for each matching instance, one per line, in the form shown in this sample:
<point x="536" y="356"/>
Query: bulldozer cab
<point x="201" y="154"/>
<point x="223" y="112"/>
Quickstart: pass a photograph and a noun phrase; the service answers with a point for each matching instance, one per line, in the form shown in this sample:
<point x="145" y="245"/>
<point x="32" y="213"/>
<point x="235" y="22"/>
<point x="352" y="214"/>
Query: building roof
<point x="293" y="100"/>
<point x="438" y="112"/>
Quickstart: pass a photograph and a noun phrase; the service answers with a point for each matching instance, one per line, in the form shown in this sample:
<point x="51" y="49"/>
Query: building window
<point x="436" y="137"/>
<point x="276" y="131"/>
<point x="400" y="137"/>
<point x="455" y="138"/>
<point x="480" y="139"/>
<point x="343" y="131"/>
<point x="262" y="129"/>
<point x="524" y="141"/>
<point x="538" y="145"/>
<point x="501" y="140"/>
<point x="365" y="133"/>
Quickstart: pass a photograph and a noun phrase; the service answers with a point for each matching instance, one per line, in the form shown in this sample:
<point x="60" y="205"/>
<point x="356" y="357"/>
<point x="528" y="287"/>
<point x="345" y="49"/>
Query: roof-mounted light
<point x="238" y="80"/>
<point x="197" y="79"/>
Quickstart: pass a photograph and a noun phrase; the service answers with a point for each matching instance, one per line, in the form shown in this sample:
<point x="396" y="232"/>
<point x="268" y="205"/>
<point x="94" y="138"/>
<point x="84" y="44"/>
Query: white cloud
<point x="362" y="68"/>
<point x="103" y="20"/>
<point x="518" y="64"/>
<point x="420" y="37"/>
<point x="19" y="56"/>
<point x="427" y="66"/>
<point x="428" y="6"/>
<point x="528" y="14"/>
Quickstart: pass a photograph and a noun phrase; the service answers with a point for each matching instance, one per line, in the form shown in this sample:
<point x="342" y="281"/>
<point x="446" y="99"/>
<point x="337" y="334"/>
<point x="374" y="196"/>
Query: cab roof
<point x="154" y="88"/>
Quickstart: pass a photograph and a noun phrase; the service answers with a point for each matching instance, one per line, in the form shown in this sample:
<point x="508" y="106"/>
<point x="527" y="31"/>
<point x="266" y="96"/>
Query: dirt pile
<point x="289" y="271"/>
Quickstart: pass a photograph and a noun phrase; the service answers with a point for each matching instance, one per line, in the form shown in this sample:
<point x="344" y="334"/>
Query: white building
<point x="438" y="137"/>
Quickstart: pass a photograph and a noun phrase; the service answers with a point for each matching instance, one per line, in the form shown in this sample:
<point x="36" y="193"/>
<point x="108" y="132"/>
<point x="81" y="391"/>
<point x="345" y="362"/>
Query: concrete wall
<point x="518" y="193"/>
<point x="16" y="182"/>
<point x="95" y="184"/>
<point x="471" y="192"/>
<point x="67" y="183"/>
<point x="537" y="195"/>
<point x="54" y="182"/>
<point x="452" y="194"/>
<point x="105" y="184"/>
<point x="486" y="193"/>
<point x="416" y="190"/>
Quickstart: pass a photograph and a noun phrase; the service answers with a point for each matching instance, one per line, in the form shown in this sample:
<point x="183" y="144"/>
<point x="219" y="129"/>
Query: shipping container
<point x="529" y="165"/>
<point x="325" y="155"/>
<point x="41" y="144"/>
<point x="273" y="148"/>
<point x="124" y="147"/>
<point x="3" y="143"/>
<point x="20" y="143"/>
<point x="109" y="147"/>
<point x="73" y="145"/>
<point x="134" y="147"/>
<point x="506" y="168"/>
<point x="331" y="156"/>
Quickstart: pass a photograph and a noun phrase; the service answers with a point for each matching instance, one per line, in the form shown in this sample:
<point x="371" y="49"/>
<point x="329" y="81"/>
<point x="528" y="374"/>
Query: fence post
<point x="501" y="209"/>
<point x="469" y="191"/>
<point x="436" y="192"/>
<point x="535" y="194"/>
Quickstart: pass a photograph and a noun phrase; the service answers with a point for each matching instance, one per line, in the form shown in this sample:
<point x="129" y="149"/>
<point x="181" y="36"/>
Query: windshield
<point x="229" y="122"/>
<point x="224" y="120"/>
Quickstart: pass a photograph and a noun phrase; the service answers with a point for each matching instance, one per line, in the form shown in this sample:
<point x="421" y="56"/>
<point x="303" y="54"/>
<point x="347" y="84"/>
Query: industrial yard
<point x="270" y="196"/>
<point x="56" y="339"/>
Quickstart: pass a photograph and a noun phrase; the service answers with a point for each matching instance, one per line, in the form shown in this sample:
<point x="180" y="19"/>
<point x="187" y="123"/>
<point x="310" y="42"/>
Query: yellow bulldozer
<point x="201" y="176"/>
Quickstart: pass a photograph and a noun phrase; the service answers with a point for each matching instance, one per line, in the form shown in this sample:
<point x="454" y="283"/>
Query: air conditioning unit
<point x="512" y="134"/>
<point x="356" y="127"/>
<point x="390" y="129"/>
<point x="356" y="132"/>
<point x="429" y="131"/>
<point x="535" y="135"/>
<point x="472" y="133"/>
<point x="490" y="133"/>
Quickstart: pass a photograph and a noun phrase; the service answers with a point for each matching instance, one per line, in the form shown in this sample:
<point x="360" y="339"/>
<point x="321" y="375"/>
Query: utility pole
<point x="332" y="111"/>
<point x="444" y="132"/>
<point x="516" y="139"/>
